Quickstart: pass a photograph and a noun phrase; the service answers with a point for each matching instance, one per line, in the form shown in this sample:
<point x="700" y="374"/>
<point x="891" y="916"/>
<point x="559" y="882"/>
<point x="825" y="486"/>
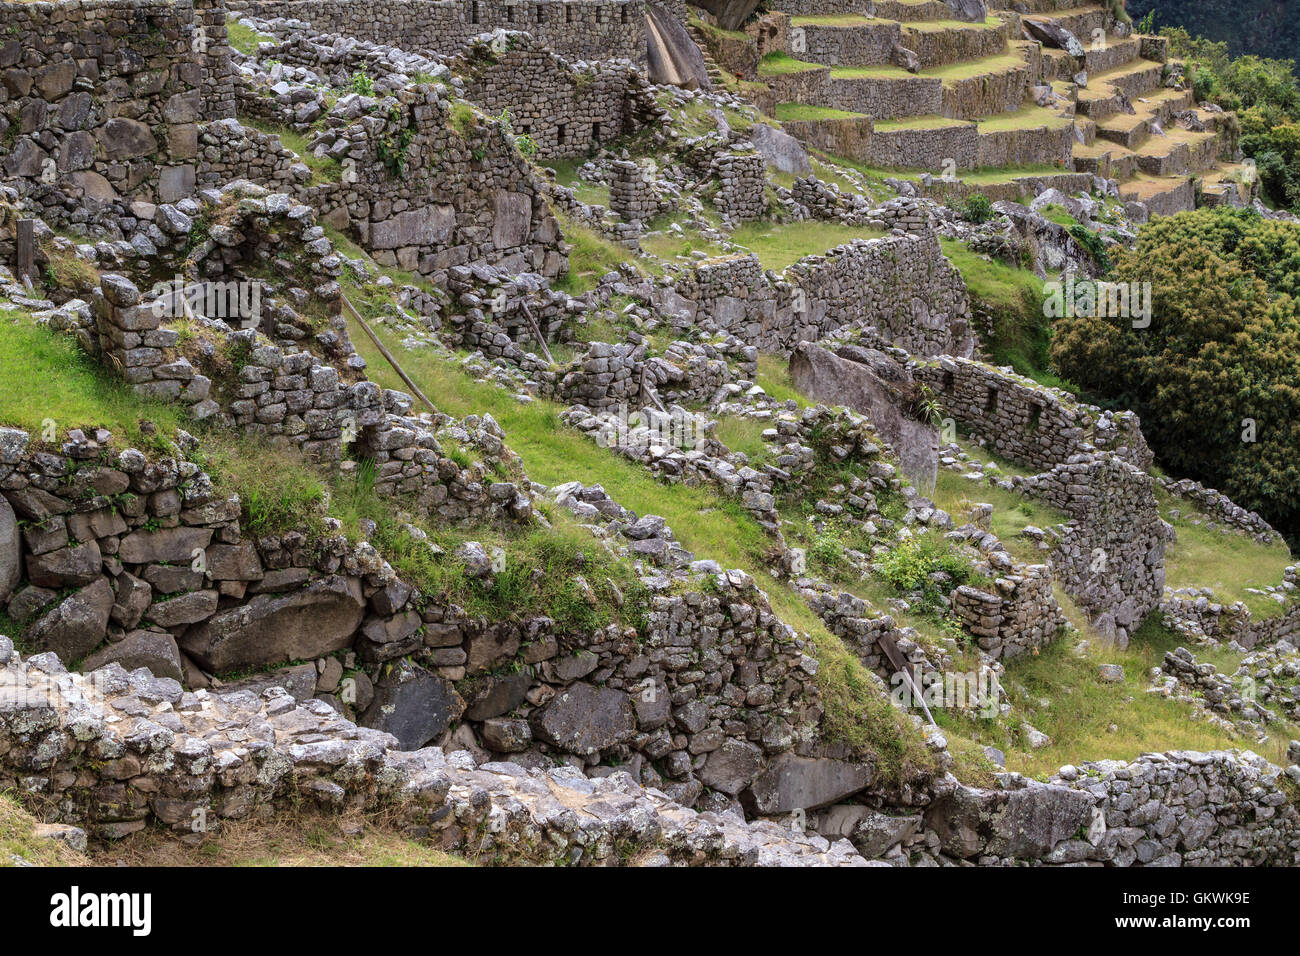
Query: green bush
<point x="977" y="208"/>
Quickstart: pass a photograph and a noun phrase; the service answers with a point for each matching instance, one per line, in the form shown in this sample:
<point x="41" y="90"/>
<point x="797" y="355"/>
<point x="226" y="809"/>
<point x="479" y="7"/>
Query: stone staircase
<point x="902" y="85"/>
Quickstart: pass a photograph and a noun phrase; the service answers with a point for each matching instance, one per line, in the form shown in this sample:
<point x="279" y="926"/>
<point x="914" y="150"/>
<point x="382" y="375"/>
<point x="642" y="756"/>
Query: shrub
<point x="977" y="208"/>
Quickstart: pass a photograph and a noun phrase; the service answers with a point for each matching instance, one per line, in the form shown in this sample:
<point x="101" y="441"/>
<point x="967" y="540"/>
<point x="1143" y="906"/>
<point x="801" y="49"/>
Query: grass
<point x="1013" y="296"/>
<point x="779" y="64"/>
<point x="324" y="169"/>
<point x="303" y="839"/>
<point x="1081" y="710"/>
<point x="832" y="20"/>
<point x="49" y="379"/>
<point x="1227" y="561"/>
<point x="949" y="73"/>
<point x="18" y="839"/>
<point x="774" y="377"/>
<point x="1012" y="512"/>
<point x="244" y="39"/>
<point x="745" y="435"/>
<point x="780" y="246"/>
<point x="918" y="122"/>
<point x="803" y="112"/>
<point x="591" y="255"/>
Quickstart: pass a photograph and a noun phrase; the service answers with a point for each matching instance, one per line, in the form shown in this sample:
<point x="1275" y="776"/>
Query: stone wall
<point x="565" y="111"/>
<point x="1111" y="558"/>
<point x="901" y="284"/>
<point x="742" y="185"/>
<point x="120" y="750"/>
<point x="1027" y="422"/>
<point x="581" y="29"/>
<point x="1017" y="614"/>
<point x="451" y="196"/>
<point x="103" y="99"/>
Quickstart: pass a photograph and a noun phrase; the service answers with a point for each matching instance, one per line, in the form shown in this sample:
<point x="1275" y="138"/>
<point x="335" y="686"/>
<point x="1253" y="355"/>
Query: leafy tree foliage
<point x="1216" y="375"/>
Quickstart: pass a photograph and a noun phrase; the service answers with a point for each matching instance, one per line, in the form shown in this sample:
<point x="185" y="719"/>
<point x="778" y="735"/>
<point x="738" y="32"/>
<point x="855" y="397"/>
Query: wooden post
<point x="26" y="248"/>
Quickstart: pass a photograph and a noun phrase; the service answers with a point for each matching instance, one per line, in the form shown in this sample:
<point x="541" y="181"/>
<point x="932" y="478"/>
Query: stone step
<point x="1107" y="160"/>
<point x="837" y="132"/>
<point x="1178" y="152"/>
<point x="1031" y="136"/>
<point x="1015" y="187"/>
<point x="1163" y="196"/>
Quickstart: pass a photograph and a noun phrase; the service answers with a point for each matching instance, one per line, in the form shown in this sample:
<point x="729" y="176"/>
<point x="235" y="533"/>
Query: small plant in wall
<point x="392" y="146"/>
<point x="362" y="85"/>
<point x="526" y="145"/>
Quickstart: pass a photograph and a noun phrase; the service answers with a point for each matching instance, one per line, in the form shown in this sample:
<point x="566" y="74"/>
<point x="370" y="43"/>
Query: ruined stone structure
<point x="579" y="29"/>
<point x="563" y="111"/>
<point x="104" y="100"/>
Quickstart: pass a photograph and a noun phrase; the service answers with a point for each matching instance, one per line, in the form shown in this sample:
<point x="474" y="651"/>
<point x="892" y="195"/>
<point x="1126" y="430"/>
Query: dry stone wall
<point x="102" y="100"/>
<point x="565" y="110"/>
<point x="901" y="284"/>
<point x="582" y="29"/>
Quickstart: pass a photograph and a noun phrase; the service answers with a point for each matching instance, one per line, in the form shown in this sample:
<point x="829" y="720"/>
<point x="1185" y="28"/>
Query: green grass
<point x="1012" y="512"/>
<point x="1229" y="562"/>
<point x="1027" y="117"/>
<point x="18" y="839"/>
<point x="779" y="64"/>
<point x="832" y="20"/>
<point x="781" y="245"/>
<point x="949" y="73"/>
<point x="324" y="169"/>
<point x="918" y="122"/>
<point x="48" y="378"/>
<point x="591" y="256"/>
<point x="803" y="112"/>
<point x="745" y="435"/>
<point x="1081" y="709"/>
<point x="244" y="39"/>
<point x="774" y="377"/>
<point x="1014" y="296"/>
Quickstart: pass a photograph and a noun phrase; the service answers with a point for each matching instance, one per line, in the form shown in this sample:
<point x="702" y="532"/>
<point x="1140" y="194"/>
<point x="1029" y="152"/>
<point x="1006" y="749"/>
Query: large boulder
<point x="155" y="650"/>
<point x="170" y="545"/>
<point x="312" y="622"/>
<point x="972" y="11"/>
<point x="730" y="13"/>
<point x="1050" y="33"/>
<point x="791" y="782"/>
<point x="413" y="705"/>
<point x="672" y="57"/>
<point x="77" y="625"/>
<point x="11" y="549"/>
<point x="299" y="680"/>
<point x="585" y="720"/>
<point x="780" y="150"/>
<point x="1024" y="824"/>
<point x="732" y="767"/>
<point x="878" y="387"/>
<point x="71" y="567"/>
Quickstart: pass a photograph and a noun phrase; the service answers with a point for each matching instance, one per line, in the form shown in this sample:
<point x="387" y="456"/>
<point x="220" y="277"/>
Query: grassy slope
<point x="705" y="523"/>
<point x="18" y="839"/>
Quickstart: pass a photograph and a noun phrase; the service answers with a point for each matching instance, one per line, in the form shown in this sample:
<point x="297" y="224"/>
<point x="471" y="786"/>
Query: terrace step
<point x="1134" y="79"/>
<point x="1081" y="21"/>
<point x="845" y="40"/>
<point x="1163" y="196"/>
<point x="1109" y="53"/>
<point x="940" y="42"/>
